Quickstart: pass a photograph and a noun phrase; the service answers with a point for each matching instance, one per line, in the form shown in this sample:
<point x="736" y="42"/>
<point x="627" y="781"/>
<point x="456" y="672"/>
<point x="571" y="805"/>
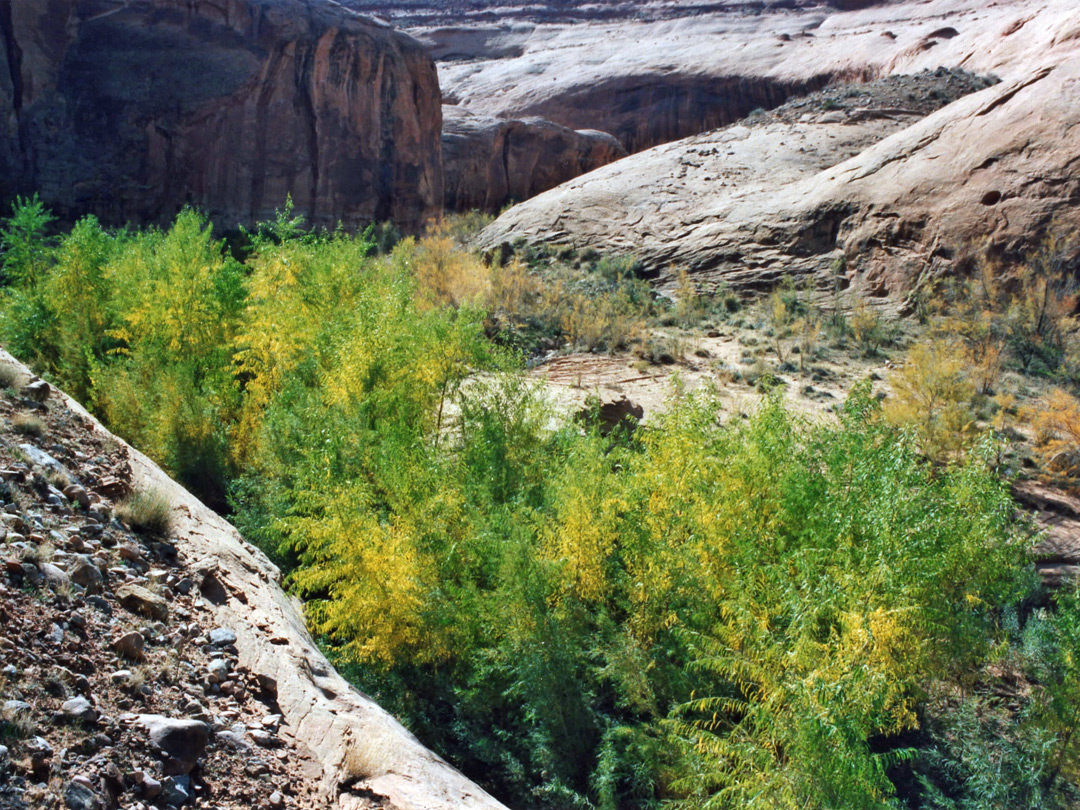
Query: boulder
<point x="84" y="573"/>
<point x="79" y="709"/>
<point x="78" y="796"/>
<point x="139" y="600"/>
<point x="180" y="742"/>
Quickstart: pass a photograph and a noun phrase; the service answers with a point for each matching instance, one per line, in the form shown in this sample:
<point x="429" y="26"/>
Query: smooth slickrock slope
<point x="747" y="205"/>
<point x="132" y="109"/>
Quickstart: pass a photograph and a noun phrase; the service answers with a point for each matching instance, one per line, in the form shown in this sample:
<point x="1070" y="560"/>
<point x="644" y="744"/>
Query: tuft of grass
<point x="9" y="375"/>
<point x="28" y="425"/>
<point x="146" y="511"/>
<point x="59" y="478"/>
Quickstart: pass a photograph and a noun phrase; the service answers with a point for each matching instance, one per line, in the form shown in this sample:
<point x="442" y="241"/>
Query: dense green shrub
<point x="750" y="614"/>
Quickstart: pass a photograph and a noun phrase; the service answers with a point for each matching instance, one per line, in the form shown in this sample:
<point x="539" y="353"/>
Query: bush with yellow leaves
<point x="931" y="395"/>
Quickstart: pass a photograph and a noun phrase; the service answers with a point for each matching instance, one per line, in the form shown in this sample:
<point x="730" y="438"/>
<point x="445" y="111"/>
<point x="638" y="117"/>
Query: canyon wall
<point x="490" y="162"/>
<point x="130" y="109"/>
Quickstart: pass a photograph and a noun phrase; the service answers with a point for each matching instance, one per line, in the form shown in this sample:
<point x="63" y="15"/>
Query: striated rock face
<point x="489" y="162"/>
<point x="651" y="81"/>
<point x="897" y="195"/>
<point x="642" y="112"/>
<point x="129" y="110"/>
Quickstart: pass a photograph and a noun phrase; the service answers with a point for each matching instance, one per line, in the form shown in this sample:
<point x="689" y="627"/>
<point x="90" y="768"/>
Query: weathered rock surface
<point x="489" y="162"/>
<point x="650" y="81"/>
<point x="897" y="196"/>
<point x="180" y="742"/>
<point x="130" y="110"/>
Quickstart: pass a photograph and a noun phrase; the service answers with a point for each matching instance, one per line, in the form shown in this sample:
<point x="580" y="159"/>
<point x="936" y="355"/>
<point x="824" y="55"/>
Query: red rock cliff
<point x="130" y="109"/>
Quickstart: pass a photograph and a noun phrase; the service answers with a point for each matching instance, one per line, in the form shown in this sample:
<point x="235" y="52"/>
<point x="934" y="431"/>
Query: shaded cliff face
<point x="643" y="112"/>
<point x="489" y="162"/>
<point x="132" y="110"/>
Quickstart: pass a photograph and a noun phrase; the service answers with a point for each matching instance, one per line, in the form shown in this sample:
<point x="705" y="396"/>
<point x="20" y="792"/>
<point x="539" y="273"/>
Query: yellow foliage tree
<point x="1057" y="426"/>
<point x="932" y="395"/>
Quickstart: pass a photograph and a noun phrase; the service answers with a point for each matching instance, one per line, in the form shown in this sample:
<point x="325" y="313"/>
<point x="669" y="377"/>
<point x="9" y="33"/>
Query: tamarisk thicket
<point x="760" y="613"/>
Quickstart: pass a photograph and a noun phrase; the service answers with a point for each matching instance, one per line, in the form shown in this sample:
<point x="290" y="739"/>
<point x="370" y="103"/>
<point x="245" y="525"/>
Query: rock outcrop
<point x="130" y="109"/>
<point x="489" y="162"/>
<point x="898" y="196"/>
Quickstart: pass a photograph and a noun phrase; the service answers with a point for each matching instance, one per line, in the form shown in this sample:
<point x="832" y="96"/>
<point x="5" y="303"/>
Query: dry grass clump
<point x="27" y="424"/>
<point x="9" y="375"/>
<point x="146" y="511"/>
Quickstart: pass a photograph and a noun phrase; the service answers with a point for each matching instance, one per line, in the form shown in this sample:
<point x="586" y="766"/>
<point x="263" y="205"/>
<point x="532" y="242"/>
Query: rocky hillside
<point x="131" y="110"/>
<point x="897" y="199"/>
<point x="150" y="658"/>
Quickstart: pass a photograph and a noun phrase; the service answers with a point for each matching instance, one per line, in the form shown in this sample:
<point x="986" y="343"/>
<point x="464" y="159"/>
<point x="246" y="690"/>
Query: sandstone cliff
<point x="489" y="162"/>
<point x="649" y="81"/>
<point x="130" y="109"/>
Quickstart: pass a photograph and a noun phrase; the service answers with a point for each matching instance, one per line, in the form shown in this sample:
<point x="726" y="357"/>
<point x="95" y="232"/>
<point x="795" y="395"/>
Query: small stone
<point x="78" y="796"/>
<point x="264" y="739"/>
<point x="37" y="390"/>
<point x="138" y="599"/>
<point x="55" y="634"/>
<point x="218" y="670"/>
<point x="183" y="587"/>
<point x="100" y="604"/>
<point x="151" y="787"/>
<point x="77" y="494"/>
<point x="121" y="676"/>
<point x="272" y="721"/>
<point x="133" y="556"/>
<point x="79" y="709"/>
<point x="13" y="708"/>
<point x="130" y="646"/>
<point x="222" y="637"/>
<point x="277" y="800"/>
<point x="233" y="740"/>
<point x="54" y="576"/>
<point x="32" y="574"/>
<point x="176" y="790"/>
<point x="83" y="572"/>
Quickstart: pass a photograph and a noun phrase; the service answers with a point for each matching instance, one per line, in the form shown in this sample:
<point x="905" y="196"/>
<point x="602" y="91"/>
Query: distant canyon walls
<point x="489" y="162"/>
<point x="130" y="109"/>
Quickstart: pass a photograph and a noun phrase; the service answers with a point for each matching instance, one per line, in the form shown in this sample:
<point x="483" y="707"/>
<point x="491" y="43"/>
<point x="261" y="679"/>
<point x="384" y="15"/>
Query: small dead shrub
<point x="27" y="424"/>
<point x="146" y="511"/>
<point x="9" y="375"/>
